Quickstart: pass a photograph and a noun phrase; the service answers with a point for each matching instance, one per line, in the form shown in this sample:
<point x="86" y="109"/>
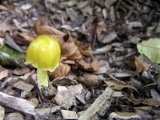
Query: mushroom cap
<point x="44" y="53"/>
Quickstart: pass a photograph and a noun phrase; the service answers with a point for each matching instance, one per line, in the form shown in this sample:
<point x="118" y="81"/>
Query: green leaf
<point x="11" y="52"/>
<point x="150" y="48"/>
<point x="9" y="56"/>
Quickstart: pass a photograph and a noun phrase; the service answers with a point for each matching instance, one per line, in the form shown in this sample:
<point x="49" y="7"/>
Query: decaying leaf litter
<point x="102" y="73"/>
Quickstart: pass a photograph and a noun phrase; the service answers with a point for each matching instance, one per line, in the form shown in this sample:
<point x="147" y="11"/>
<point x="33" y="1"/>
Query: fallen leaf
<point x="85" y="48"/>
<point x="151" y="49"/>
<point x="118" y="85"/>
<point x="108" y="37"/>
<point x="140" y="65"/>
<point x="71" y="62"/>
<point x="91" y="67"/>
<point x="10" y="42"/>
<point x="89" y="79"/>
<point x="99" y="28"/>
<point x="43" y="20"/>
<point x="103" y="67"/>
<point x="23" y="38"/>
<point x="6" y="27"/>
<point x="61" y="71"/>
<point x="150" y="102"/>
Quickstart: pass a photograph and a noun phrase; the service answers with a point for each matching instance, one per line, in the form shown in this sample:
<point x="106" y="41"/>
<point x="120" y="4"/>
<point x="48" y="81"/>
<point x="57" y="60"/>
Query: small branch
<point x="18" y="104"/>
<point x="98" y="103"/>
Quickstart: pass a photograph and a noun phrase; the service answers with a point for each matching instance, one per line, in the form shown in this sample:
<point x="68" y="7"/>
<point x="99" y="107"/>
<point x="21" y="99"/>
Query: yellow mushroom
<point x="44" y="53"/>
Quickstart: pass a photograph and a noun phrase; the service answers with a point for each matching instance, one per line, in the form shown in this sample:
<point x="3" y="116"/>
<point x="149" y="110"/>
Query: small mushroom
<point x="44" y="53"/>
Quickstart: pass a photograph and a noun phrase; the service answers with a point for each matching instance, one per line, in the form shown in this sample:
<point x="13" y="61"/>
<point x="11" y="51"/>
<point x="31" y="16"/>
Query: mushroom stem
<point x="42" y="78"/>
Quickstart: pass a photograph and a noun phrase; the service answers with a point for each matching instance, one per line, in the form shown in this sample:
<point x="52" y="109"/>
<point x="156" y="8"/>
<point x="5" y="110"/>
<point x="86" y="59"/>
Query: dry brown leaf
<point x="43" y="20"/>
<point x="140" y="65"/>
<point x="90" y="67"/>
<point x="85" y="48"/>
<point x="89" y="79"/>
<point x="23" y="38"/>
<point x="99" y="29"/>
<point x="61" y="71"/>
<point x="6" y="27"/>
<point x="71" y="62"/>
<point x="68" y="46"/>
<point x="150" y="101"/>
<point x="118" y="85"/>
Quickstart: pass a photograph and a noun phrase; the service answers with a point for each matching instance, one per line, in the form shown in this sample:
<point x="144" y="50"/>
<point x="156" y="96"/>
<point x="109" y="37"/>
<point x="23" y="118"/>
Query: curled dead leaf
<point x="4" y="26"/>
<point x="140" y="65"/>
<point x="118" y="85"/>
<point x="61" y="71"/>
<point x="150" y="102"/>
<point x="99" y="29"/>
<point x="43" y="20"/>
<point x="23" y="38"/>
<point x="90" y="67"/>
<point x="89" y="79"/>
<point x="85" y="48"/>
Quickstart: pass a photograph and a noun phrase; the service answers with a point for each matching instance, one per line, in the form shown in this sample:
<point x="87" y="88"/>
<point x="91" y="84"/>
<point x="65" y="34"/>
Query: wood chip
<point x="17" y="103"/>
<point x="2" y="113"/>
<point x="3" y="74"/>
<point x="90" y="79"/>
<point x="105" y="107"/>
<point x="43" y="111"/>
<point x="72" y="14"/>
<point x="77" y="90"/>
<point x="69" y="114"/>
<point x="117" y="94"/>
<point x="15" y="116"/>
<point x="65" y="97"/>
<point x="23" y="86"/>
<point x="98" y="103"/>
<point x="124" y="116"/>
<point x="107" y="38"/>
<point x="21" y="71"/>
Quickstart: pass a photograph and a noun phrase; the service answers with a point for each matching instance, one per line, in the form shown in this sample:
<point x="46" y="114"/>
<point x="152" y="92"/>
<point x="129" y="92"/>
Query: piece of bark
<point x="23" y="86"/>
<point x="65" y="97"/>
<point x="48" y="111"/>
<point x="17" y="103"/>
<point x="77" y="90"/>
<point x="21" y="71"/>
<point x="117" y="94"/>
<point x="98" y="103"/>
<point x="124" y="116"/>
<point x="94" y="117"/>
<point x="24" y="106"/>
<point x="14" y="116"/>
<point x="2" y="113"/>
<point x="3" y="74"/>
<point x="105" y="107"/>
<point x="25" y="94"/>
<point x="68" y="115"/>
<point x="72" y="14"/>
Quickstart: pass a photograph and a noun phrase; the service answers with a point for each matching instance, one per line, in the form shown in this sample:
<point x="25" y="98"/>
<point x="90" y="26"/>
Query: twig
<point x="98" y="103"/>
